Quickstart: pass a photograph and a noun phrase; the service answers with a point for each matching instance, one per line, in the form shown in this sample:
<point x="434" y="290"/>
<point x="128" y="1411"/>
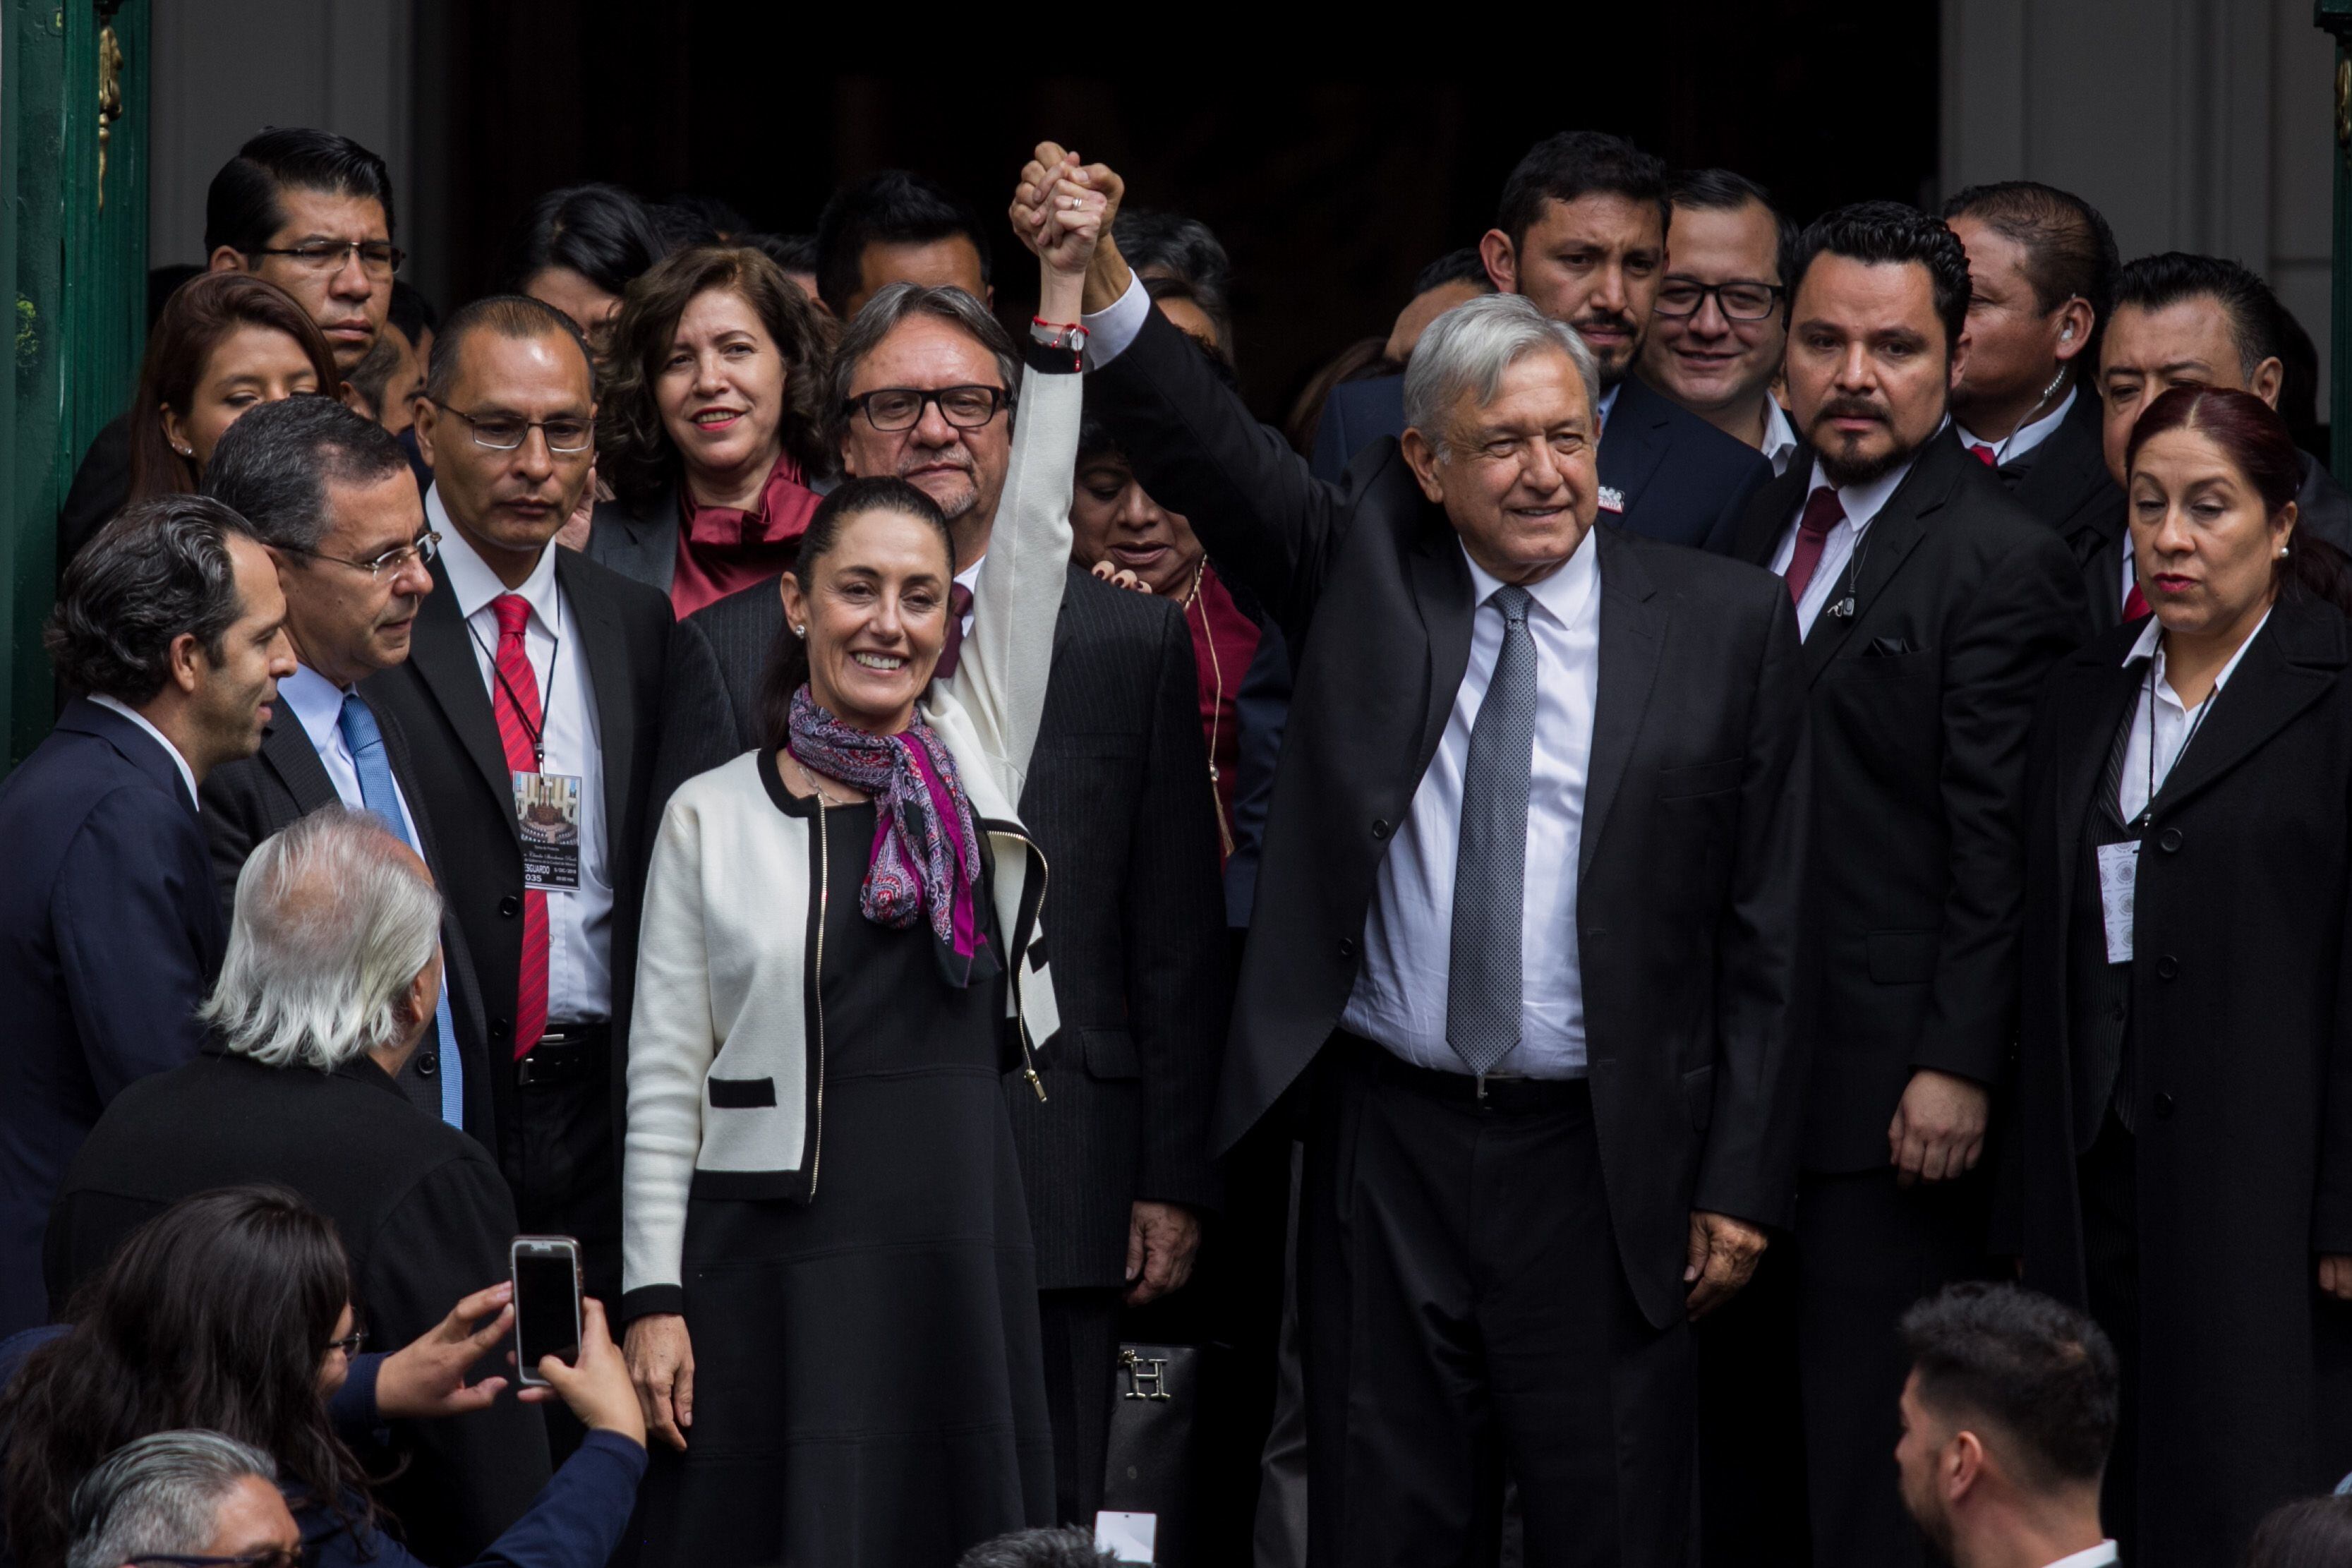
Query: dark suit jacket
<point x="2323" y="511"/>
<point x="421" y="1210"/>
<point x="2242" y="1041"/>
<point x="1683" y="480"/>
<point x="110" y="936"/>
<point x="101" y="484"/>
<point x="1921" y="702"/>
<point x="639" y="542"/>
<point x="1117" y="799"/>
<point x="247" y="801"/>
<point x="2065" y="481"/>
<point x="1688" y="870"/>
<point x="443" y="710"/>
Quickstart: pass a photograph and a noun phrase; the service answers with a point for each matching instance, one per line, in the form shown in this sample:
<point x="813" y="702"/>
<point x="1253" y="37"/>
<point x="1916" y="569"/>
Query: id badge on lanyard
<point x="547" y="816"/>
<point x="2118" y="883"/>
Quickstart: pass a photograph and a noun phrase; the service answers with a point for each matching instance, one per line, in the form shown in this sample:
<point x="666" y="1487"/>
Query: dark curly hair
<point x="1893" y="233"/>
<point x="159" y="569"/>
<point x="633" y="452"/>
<point x="215" y="1314"/>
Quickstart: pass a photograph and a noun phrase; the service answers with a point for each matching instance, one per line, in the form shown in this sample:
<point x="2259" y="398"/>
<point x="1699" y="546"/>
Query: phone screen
<point x="546" y="1310"/>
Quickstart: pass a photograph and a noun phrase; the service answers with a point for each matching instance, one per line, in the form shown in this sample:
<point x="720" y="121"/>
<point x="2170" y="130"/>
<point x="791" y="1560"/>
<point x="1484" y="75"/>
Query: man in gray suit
<point x="1115" y="1156"/>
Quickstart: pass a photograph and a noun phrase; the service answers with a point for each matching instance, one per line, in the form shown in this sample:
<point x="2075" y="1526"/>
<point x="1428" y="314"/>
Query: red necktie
<point x="2135" y="606"/>
<point x="514" y="700"/>
<point x="1984" y="454"/>
<point x="1823" y="513"/>
<point x="951" y="650"/>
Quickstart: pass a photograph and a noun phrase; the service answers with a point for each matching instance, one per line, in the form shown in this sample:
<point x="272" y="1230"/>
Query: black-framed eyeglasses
<point x="566" y="437"/>
<point x="269" y="1557"/>
<point x="1737" y="301"/>
<point x="378" y="259"/>
<point x="891" y="409"/>
<point x="391" y="562"/>
<point x="349" y="1344"/>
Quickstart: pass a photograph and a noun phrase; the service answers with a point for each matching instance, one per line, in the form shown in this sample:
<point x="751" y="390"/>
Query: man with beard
<point x="1115" y="1153"/>
<point x="1583" y="232"/>
<point x="1931" y="605"/>
<point x="329" y="493"/>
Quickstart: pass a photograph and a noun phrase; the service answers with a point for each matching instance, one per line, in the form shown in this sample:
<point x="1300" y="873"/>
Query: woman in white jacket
<point x="828" y="1274"/>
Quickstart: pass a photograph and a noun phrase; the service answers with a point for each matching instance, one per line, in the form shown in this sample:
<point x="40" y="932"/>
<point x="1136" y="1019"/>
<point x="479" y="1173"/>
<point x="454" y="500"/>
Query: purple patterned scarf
<point x="926" y="852"/>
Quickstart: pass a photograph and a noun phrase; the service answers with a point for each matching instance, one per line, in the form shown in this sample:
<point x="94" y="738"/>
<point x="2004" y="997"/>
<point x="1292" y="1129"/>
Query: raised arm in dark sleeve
<point x="1748" y="1170"/>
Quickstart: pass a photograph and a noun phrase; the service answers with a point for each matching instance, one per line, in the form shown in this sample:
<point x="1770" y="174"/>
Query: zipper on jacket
<point x="816" y="982"/>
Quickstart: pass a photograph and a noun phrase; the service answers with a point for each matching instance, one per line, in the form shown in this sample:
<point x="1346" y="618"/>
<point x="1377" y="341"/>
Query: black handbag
<point x="1148" y="1467"/>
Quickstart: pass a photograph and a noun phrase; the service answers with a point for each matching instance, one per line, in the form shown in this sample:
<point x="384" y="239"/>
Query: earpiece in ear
<point x="2066" y="333"/>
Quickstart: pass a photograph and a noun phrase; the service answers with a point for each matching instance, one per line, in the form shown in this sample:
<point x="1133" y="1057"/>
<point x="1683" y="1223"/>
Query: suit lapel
<point x="1893" y="534"/>
<point x="1771" y="511"/>
<point x="286" y="749"/>
<point x="2096" y="695"/>
<point x="1633" y="636"/>
<point x="1632" y="440"/>
<point x="603" y="647"/>
<point x="442" y="653"/>
<point x="2290" y="665"/>
<point x="2068" y="468"/>
<point x="1443" y="592"/>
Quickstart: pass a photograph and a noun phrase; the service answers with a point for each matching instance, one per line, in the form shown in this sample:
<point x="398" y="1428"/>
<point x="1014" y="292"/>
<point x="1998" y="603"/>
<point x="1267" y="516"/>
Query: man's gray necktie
<point x="1483" y="978"/>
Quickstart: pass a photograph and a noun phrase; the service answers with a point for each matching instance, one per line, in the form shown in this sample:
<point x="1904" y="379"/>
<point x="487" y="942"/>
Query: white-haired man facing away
<point x="332" y="978"/>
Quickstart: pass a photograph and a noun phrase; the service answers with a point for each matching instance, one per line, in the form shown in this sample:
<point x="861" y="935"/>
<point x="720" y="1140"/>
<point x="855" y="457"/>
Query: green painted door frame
<point x="2335" y="16"/>
<point x="73" y="249"/>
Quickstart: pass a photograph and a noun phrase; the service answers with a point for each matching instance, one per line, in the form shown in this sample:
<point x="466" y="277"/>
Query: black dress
<point x="869" y="1384"/>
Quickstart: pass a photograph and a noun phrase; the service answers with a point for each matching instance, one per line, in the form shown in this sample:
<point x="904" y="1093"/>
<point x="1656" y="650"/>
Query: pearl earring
<point x="184" y="451"/>
<point x="803" y="631"/>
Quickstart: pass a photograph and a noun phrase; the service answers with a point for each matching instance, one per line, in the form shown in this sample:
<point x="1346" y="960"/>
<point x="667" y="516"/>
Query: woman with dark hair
<point x="822" y="1221"/>
<point x="225" y="343"/>
<point x="2184" y="1123"/>
<point x="578" y="249"/>
<point x="710" y="425"/>
<point x="232" y="1310"/>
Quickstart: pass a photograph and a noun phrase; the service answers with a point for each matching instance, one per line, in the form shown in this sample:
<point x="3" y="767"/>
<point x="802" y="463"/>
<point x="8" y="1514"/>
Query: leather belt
<point x="566" y="1054"/>
<point x="1507" y="1093"/>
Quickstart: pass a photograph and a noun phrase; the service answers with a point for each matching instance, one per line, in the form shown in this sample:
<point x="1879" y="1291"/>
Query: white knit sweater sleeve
<point x="672" y="1040"/>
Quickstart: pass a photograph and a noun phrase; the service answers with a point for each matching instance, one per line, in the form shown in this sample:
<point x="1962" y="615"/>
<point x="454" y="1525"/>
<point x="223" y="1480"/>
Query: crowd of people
<point x="1578" y="908"/>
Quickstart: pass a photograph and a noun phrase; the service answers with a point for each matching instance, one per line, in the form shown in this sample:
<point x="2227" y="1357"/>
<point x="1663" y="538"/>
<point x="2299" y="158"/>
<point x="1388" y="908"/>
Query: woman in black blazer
<point x="2185" y="1087"/>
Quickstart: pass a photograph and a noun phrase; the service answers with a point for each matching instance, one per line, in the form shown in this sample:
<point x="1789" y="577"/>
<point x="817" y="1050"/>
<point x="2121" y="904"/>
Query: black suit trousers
<point x="1463" y="1313"/>
<point x="1867" y="1249"/>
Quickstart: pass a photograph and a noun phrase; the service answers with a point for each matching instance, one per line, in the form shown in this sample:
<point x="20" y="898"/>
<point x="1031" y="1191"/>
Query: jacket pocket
<point x="1902" y="957"/>
<point x="740" y="1093"/>
<point x="1706" y="778"/>
<point x="1698" y="1093"/>
<point x="1110" y="1054"/>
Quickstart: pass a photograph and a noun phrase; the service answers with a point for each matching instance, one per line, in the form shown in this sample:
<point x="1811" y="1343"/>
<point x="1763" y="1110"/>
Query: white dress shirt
<point x="2097" y="1556"/>
<point x="1862" y="503"/>
<point x="2025" y="437"/>
<point x="187" y="773"/>
<point x="1779" y="437"/>
<point x="2169" y="727"/>
<point x="970" y="578"/>
<point x="1399" y="995"/>
<point x="579" y="921"/>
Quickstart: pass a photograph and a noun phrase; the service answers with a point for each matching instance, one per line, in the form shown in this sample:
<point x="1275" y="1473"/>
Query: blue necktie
<point x="377" y="793"/>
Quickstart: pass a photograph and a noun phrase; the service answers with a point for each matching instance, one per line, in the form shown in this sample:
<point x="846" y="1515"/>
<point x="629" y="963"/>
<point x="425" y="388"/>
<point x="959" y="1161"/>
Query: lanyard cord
<point x="2148" y="808"/>
<point x="537" y="732"/>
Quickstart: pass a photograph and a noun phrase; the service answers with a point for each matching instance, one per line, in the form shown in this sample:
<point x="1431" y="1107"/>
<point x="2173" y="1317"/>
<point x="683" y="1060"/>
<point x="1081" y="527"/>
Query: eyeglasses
<point x="267" y="1557"/>
<point x="1737" y="301"/>
<point x="349" y="1344"/>
<point x="894" y="409"/>
<point x="380" y="259"/>
<point x="504" y="432"/>
<point x="391" y="562"/>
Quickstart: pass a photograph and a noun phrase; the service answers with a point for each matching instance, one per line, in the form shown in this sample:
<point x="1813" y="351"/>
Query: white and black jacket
<point x="726" y="1066"/>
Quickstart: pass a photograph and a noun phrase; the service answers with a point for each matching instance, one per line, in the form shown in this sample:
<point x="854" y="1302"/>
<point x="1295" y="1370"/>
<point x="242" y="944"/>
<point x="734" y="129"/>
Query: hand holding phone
<point x="546" y="1303"/>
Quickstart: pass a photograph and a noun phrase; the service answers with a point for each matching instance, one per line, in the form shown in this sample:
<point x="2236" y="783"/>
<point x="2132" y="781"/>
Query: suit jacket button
<point x="510" y="906"/>
<point x="502" y="1029"/>
<point x="2166" y="967"/>
<point x="2171" y="842"/>
<point x="2163" y="1104"/>
<point x="1347" y="947"/>
<point x="1380" y="827"/>
<point x="427" y="1064"/>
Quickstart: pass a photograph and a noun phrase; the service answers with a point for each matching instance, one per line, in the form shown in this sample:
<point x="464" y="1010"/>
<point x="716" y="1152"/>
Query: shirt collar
<point x="2025" y="437"/>
<point x="2089" y="1557"/>
<point x="1566" y="596"/>
<point x="1862" y="502"/>
<point x="475" y="584"/>
<point x="317" y="701"/>
<point x="1779" y="436"/>
<point x="2148" y="645"/>
<point x="1608" y="407"/>
<point x="187" y="773"/>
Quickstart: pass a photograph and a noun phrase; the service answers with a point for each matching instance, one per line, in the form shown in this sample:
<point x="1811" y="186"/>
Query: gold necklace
<point x="816" y="789"/>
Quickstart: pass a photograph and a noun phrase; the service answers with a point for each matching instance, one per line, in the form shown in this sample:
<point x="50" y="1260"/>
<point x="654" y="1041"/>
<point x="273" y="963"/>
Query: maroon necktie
<point x="2135" y="606"/>
<point x="951" y="650"/>
<point x="1823" y="513"/>
<point x="514" y="701"/>
<point x="1984" y="454"/>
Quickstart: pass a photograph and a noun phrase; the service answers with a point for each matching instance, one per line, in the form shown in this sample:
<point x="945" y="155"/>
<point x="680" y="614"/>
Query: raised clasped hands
<point x="1057" y="212"/>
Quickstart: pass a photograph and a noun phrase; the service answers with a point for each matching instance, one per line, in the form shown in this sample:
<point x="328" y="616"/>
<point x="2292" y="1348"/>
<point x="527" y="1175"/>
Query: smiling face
<point x="346" y="301"/>
<point x="1112" y="519"/>
<point x="1515" y="475"/>
<point x="1706" y="361"/>
<point x="1868" y="374"/>
<point x="1595" y="263"/>
<point x="875" y="617"/>
<point x="2206" y="546"/>
<point x="721" y="390"/>
<point x="347" y="624"/>
<point x="961" y="470"/>
<point x="508" y="504"/>
<point x="250" y="366"/>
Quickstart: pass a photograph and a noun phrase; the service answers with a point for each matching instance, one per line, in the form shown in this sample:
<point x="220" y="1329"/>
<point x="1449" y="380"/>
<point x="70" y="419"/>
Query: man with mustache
<point x="531" y="663"/>
<point x="329" y="492"/>
<point x="1583" y="232"/>
<point x="1931" y="605"/>
<point x="307" y="210"/>
<point x="1115" y="1156"/>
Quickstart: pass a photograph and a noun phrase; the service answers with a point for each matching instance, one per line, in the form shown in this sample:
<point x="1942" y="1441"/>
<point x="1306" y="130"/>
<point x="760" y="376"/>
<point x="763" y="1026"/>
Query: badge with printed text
<point x="547" y="815"/>
<point x="2119" y="882"/>
<point x="1612" y="499"/>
